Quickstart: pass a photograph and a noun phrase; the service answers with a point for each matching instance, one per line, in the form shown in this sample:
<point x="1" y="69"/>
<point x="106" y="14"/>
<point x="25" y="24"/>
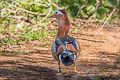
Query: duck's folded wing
<point x="74" y="46"/>
<point x="77" y="46"/>
<point x="55" y="50"/>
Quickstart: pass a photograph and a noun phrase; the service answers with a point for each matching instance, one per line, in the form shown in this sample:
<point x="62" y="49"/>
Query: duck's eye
<point x="56" y="12"/>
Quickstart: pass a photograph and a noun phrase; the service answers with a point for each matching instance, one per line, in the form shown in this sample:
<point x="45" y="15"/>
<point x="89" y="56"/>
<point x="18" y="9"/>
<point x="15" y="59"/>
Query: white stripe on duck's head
<point x="58" y="13"/>
<point x="61" y="15"/>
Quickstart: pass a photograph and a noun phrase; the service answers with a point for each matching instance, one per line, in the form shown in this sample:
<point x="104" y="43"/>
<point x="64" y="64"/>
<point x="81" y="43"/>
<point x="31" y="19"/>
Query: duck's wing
<point x="73" y="45"/>
<point x="54" y="50"/>
<point x="77" y="46"/>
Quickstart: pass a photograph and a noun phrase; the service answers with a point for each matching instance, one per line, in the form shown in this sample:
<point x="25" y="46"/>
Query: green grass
<point x="37" y="35"/>
<point x="4" y="52"/>
<point x="97" y="78"/>
<point x="1" y="53"/>
<point x="119" y="56"/>
<point x="47" y="44"/>
<point x="30" y="36"/>
<point x="7" y="40"/>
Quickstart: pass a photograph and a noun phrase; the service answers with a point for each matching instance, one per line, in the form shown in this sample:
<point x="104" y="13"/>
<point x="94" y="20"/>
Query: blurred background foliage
<point x="25" y="20"/>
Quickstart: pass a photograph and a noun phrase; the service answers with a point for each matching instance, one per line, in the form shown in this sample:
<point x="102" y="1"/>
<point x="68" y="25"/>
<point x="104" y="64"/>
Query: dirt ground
<point x="100" y="57"/>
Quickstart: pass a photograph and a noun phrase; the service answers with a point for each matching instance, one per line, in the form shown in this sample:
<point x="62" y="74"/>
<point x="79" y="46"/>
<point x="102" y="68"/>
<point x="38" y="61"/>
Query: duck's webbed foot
<point x="59" y="67"/>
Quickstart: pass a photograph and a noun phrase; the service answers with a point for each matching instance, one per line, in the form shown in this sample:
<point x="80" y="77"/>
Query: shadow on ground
<point x="16" y="70"/>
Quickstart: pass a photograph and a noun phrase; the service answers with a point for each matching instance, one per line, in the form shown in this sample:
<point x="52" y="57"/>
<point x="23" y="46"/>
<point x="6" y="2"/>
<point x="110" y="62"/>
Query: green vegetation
<point x="99" y="9"/>
<point x="20" y="17"/>
<point x="13" y="52"/>
<point x="34" y="35"/>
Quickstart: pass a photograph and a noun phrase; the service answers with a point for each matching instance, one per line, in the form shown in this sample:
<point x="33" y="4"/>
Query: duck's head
<point x="61" y="15"/>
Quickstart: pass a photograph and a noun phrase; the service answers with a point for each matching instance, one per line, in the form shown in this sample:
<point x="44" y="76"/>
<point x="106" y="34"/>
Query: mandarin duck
<point x="65" y="49"/>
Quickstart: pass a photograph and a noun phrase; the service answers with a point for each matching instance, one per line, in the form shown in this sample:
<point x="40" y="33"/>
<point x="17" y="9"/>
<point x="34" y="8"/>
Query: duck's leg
<point x="75" y="67"/>
<point x="59" y="67"/>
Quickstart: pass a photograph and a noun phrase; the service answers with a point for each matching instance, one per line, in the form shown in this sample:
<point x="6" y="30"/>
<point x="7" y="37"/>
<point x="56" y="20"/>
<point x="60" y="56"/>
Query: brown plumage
<point x="63" y="30"/>
<point x="65" y="25"/>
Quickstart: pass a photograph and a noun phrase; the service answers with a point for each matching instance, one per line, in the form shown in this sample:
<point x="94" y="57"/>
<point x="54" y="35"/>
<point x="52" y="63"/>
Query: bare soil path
<point x="100" y="56"/>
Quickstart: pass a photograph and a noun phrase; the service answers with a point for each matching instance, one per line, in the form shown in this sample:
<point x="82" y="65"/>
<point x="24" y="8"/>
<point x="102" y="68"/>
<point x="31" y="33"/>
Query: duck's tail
<point x="67" y="58"/>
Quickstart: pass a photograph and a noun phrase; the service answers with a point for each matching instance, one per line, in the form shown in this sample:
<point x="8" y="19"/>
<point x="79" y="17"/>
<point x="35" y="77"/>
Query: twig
<point x="102" y="41"/>
<point x="56" y="6"/>
<point x="80" y="9"/>
<point x="10" y="10"/>
<point x="3" y="11"/>
<point x="13" y="6"/>
<point x="109" y="15"/>
<point x="50" y="10"/>
<point x="97" y="5"/>
<point x="17" y="17"/>
<point x="39" y="4"/>
<point x="47" y="15"/>
<point x="14" y="12"/>
<point x="13" y="17"/>
<point x="34" y="13"/>
<point x="107" y="19"/>
<point x="92" y="20"/>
